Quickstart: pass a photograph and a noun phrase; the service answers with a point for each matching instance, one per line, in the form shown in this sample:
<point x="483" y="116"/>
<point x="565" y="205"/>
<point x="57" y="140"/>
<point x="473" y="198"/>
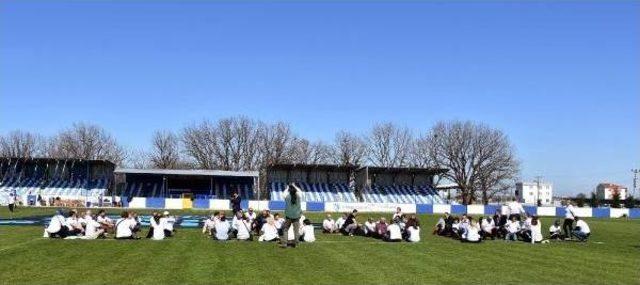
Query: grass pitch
<point x="612" y="256"/>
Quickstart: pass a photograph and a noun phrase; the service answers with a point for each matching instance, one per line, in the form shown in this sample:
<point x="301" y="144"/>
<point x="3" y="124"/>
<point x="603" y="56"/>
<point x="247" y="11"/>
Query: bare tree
<point x="311" y="153"/>
<point x="390" y="145"/>
<point x="165" y="150"/>
<point x="349" y="149"/>
<point x="139" y="159"/>
<point x="276" y="143"/>
<point x="228" y="144"/>
<point x="478" y="158"/>
<point x="21" y="144"/>
<point x="87" y="141"/>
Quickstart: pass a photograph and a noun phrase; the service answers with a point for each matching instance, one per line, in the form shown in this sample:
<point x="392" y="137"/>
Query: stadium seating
<point x="323" y="192"/>
<point x="316" y="192"/>
<point x="63" y="188"/>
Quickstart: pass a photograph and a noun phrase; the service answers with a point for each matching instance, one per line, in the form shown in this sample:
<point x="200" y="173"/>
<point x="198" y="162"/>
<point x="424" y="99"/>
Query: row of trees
<point x="481" y="160"/>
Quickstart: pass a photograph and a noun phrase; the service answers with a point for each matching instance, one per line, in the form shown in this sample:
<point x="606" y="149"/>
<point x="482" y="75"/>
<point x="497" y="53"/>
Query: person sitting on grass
<point x="582" y="230"/>
<point x="500" y="221"/>
<point x="512" y="228"/>
<point x="439" y="228"/>
<point x="138" y="227"/>
<point x="74" y="224"/>
<point x="124" y="226"/>
<point x="269" y="231"/>
<point x="260" y="220"/>
<point x="243" y="228"/>
<point x="169" y="222"/>
<point x="58" y="227"/>
<point x="93" y="229"/>
<point x="398" y="214"/>
<point x="350" y="224"/>
<point x="381" y="228"/>
<point x="106" y="222"/>
<point x="278" y="222"/>
<point x="369" y="227"/>
<point x="489" y="228"/>
<point x="555" y="231"/>
<point x="535" y="231"/>
<point x="455" y="228"/>
<point x="222" y="229"/>
<point x="413" y="233"/>
<point x="329" y="225"/>
<point x="308" y="234"/>
<point x="394" y="233"/>
<point x="412" y="221"/>
<point x="472" y="233"/>
<point x="340" y="221"/>
<point x="525" y="228"/>
<point x="156" y="229"/>
<point x="208" y="224"/>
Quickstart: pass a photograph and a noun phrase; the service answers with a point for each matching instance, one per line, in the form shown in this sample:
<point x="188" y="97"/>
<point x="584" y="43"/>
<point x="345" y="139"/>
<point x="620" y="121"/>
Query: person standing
<point x="292" y="213"/>
<point x="569" y="217"/>
<point x="235" y="202"/>
<point x="12" y="203"/>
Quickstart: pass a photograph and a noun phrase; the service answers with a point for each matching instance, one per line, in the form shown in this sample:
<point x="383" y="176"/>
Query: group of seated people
<point x="402" y="227"/>
<point x="498" y="226"/>
<point x="245" y="226"/>
<point x="88" y="226"/>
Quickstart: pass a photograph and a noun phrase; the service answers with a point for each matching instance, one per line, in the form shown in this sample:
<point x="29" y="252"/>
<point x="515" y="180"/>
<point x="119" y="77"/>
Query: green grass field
<point x="612" y="256"/>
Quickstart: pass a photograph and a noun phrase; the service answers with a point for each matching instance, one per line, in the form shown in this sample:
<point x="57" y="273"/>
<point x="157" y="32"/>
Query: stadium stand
<point x="54" y="178"/>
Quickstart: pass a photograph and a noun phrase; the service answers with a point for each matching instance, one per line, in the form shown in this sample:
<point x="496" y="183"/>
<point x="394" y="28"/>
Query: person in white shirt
<point x="512" y="227"/>
<point x="278" y="221"/>
<point x="472" y="234"/>
<point x="222" y="229"/>
<point x="251" y="215"/>
<point x="329" y="225"/>
<point x="74" y="224"/>
<point x="569" y="217"/>
<point x="93" y="229"/>
<point x="58" y="227"/>
<point x="464" y="224"/>
<point x="243" y="227"/>
<point x="398" y="214"/>
<point x="413" y="234"/>
<point x="340" y="221"/>
<point x="124" y="226"/>
<point x="525" y="228"/>
<point x="369" y="227"/>
<point x="555" y="231"/>
<point x="156" y="230"/>
<point x="168" y="222"/>
<point x="308" y="234"/>
<point x="269" y="231"/>
<point x="106" y="222"/>
<point x="207" y="227"/>
<point x="394" y="233"/>
<point x="535" y="230"/>
<point x="488" y="228"/>
<point x="582" y="230"/>
<point x="515" y="209"/>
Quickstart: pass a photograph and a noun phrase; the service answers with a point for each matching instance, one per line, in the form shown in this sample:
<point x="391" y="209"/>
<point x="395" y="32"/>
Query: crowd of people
<point x="266" y="227"/>
<point x="514" y="225"/>
<point x="73" y="225"/>
<point x="402" y="226"/>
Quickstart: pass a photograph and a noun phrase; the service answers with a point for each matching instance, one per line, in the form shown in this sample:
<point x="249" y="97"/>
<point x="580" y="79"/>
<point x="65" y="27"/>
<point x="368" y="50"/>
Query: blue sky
<point x="562" y="79"/>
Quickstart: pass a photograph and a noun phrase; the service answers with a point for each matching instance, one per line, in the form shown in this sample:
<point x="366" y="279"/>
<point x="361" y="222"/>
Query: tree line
<point x="481" y="160"/>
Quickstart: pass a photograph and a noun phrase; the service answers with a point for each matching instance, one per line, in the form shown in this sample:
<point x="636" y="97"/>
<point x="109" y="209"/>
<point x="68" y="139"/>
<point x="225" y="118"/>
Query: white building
<point x="605" y="191"/>
<point x="531" y="192"/>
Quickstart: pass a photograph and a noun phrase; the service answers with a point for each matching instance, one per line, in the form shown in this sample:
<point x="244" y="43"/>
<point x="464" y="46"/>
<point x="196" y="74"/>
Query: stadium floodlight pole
<point x="635" y="179"/>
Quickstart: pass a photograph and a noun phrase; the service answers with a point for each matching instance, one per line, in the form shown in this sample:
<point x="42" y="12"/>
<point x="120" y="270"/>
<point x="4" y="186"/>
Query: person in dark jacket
<point x="235" y="202"/>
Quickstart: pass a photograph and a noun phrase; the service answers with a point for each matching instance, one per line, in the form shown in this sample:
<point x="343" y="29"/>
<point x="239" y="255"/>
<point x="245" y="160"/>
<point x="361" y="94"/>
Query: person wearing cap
<point x="292" y="213"/>
<point x="168" y="221"/>
<point x="328" y="225"/>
